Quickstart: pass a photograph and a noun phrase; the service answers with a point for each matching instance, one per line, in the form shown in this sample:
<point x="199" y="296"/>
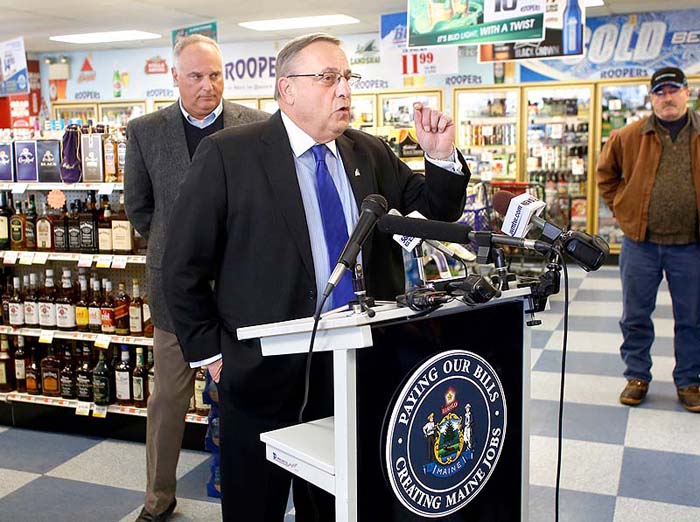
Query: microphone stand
<point x="362" y="303"/>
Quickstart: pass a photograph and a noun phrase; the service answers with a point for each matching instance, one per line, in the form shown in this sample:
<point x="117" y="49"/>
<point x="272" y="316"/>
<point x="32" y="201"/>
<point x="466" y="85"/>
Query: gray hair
<point x="288" y="53"/>
<point x="192" y="39"/>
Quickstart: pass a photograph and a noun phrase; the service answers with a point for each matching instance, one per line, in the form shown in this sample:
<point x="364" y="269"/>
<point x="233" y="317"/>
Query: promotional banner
<point x="468" y="22"/>
<point x="559" y="15"/>
<point x="14" y="78"/>
<point x="627" y="46"/>
<point x="208" y="29"/>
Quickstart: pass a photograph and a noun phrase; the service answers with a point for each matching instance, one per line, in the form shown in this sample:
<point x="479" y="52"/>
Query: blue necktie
<point x="334" y="226"/>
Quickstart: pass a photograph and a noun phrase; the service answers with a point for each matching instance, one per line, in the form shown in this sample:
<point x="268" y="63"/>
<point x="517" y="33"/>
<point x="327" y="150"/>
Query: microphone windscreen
<point x="501" y="201"/>
<point x="375" y="203"/>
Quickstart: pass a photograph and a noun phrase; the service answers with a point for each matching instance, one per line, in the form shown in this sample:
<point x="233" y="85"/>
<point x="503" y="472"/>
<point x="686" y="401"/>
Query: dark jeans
<point x="642" y="265"/>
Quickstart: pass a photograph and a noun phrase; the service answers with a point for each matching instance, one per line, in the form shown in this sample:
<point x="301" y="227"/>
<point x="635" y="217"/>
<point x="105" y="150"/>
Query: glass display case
<point x="74" y="111"/>
<point x="118" y="114"/>
<point x="162" y="103"/>
<point x="363" y="112"/>
<point x="486" y="131"/>
<point x="557" y="149"/>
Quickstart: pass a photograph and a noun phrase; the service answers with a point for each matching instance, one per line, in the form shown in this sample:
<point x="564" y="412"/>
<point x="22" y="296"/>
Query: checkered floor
<point x="619" y="464"/>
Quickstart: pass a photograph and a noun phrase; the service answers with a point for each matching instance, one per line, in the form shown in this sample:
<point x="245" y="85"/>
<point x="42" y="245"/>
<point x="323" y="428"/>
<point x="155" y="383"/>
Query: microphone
<point x="373" y="207"/>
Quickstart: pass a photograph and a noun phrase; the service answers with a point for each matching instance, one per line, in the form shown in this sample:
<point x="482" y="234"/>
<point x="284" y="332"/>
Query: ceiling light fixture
<point x="593" y="3"/>
<point x="106" y="37"/>
<point x="282" y="24"/>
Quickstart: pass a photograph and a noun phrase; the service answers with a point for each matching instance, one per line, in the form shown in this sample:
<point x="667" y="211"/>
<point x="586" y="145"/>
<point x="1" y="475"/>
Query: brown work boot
<point x="635" y="392"/>
<point x="690" y="397"/>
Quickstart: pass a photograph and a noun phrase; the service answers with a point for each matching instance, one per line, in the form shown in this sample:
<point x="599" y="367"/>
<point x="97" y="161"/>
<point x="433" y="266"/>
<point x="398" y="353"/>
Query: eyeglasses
<point x="330" y="78"/>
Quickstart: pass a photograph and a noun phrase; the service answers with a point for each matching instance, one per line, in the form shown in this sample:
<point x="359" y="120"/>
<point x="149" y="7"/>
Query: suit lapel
<point x="174" y="131"/>
<point x="278" y="161"/>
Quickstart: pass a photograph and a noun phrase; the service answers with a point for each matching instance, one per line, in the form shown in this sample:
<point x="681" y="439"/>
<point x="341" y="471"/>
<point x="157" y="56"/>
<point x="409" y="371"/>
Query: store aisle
<point x="619" y="464"/>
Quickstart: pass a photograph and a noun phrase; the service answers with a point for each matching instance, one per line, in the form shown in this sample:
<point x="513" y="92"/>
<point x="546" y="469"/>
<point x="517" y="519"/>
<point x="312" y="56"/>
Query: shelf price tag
<point x="19" y="188"/>
<point x="103" y="340"/>
<point x="106" y="188"/>
<point x="83" y="408"/>
<point x="615" y="104"/>
<point x="85" y="260"/>
<point x="26" y="258"/>
<point x="119" y="262"/>
<point x="46" y="336"/>
<point x="104" y="261"/>
<point x="556" y="131"/>
<point x="99" y="411"/>
<point x="40" y="258"/>
<point x="10" y="257"/>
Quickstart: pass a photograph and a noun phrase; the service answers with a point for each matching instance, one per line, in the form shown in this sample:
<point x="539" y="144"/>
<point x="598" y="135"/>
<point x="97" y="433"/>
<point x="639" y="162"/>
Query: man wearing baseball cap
<point x="649" y="175"/>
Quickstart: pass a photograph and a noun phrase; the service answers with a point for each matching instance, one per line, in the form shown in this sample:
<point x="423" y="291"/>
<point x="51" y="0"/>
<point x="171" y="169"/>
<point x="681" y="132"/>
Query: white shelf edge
<point x="133" y="259"/>
<point x="9" y="185"/>
<point x="77" y="336"/>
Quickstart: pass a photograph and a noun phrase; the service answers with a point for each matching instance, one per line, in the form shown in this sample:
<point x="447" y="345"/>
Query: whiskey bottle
<point x="136" y="311"/>
<point x="47" y="303"/>
<point x="74" y="228"/>
<point x="6" y="296"/>
<point x="107" y="310"/>
<point x="65" y="307"/>
<point x="31" y="304"/>
<point x="104" y="230"/>
<point x="121" y="156"/>
<point x="16" y="305"/>
<point x="33" y="372"/>
<point x="95" y="308"/>
<point x="110" y="159"/>
<point x="60" y="230"/>
<point x="122" y="232"/>
<point x="82" y="312"/>
<point x="151" y="371"/>
<point x="200" y="384"/>
<point x="30" y="225"/>
<point x="121" y="311"/>
<point x="17" y="240"/>
<point x="88" y="226"/>
<point x="7" y="367"/>
<point x="122" y="377"/>
<point x="148" y="326"/>
<point x="139" y="378"/>
<point x="68" y="374"/>
<point x="22" y="361"/>
<point x="5" y="215"/>
<point x="83" y="376"/>
<point x="44" y="231"/>
<point x="51" y="374"/>
<point x="101" y="386"/>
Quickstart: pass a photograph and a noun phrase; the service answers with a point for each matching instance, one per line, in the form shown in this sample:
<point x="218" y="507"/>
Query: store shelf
<point x="558" y="119"/>
<point x="20" y="186"/>
<point x="11" y="257"/>
<point x="482" y="147"/>
<point x="72" y="403"/>
<point x="491" y="120"/>
<point x="77" y="336"/>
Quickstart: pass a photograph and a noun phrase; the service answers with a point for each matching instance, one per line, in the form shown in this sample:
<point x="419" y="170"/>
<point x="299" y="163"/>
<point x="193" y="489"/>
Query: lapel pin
<point x="357" y="172"/>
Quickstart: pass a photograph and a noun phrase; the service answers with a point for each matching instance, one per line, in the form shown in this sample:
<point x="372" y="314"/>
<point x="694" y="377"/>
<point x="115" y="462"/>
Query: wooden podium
<point x="344" y="454"/>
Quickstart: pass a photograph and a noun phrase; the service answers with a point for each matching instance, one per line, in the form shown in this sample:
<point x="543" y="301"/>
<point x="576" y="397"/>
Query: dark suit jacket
<point x="239" y="220"/>
<point x="157" y="159"/>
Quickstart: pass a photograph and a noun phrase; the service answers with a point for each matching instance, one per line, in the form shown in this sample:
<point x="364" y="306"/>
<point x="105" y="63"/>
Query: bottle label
<point x="59" y="238"/>
<point x="199" y="387"/>
<point x="43" y="234"/>
<point x="16" y="314"/>
<point x="101" y="389"/>
<point x="94" y="316"/>
<point x="47" y="314"/>
<point x="30" y="234"/>
<point x="105" y="239"/>
<point x="138" y="388"/>
<point x="3" y="373"/>
<point x="135" y="320"/>
<point x="4" y="228"/>
<point x="82" y="316"/>
<point x="32" y="381"/>
<point x="122" y="381"/>
<point x="87" y="235"/>
<point x="31" y="313"/>
<point x="107" y="320"/>
<point x="67" y="387"/>
<point x="65" y="315"/>
<point x="122" y="236"/>
<point x="20" y="369"/>
<point x="121" y="311"/>
<point x="50" y="381"/>
<point x="74" y="238"/>
<point x="151" y="383"/>
<point x="84" y="387"/>
<point x="16" y="230"/>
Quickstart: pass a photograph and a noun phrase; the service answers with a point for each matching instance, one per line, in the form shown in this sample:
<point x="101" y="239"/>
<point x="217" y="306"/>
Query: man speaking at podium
<point x="263" y="212"/>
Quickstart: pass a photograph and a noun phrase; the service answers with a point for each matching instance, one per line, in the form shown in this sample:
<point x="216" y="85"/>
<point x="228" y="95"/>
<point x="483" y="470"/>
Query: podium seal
<point x="445" y="433"/>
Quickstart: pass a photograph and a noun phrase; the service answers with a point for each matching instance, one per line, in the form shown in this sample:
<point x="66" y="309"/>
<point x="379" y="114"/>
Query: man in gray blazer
<point x="159" y="149"/>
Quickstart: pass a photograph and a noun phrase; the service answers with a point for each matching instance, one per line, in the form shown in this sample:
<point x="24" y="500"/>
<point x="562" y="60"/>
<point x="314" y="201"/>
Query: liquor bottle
<point x="140" y="244"/>
<point x="65" y="307"/>
<point x="151" y="371"/>
<point x="83" y="376"/>
<point x="122" y="377"/>
<point x="101" y="386"/>
<point x="82" y="311"/>
<point x="7" y="367"/>
<point x="74" y="228"/>
<point x="572" y="32"/>
<point x="44" y="231"/>
<point x="139" y="378"/>
<point x="136" y="311"/>
<point x="107" y="310"/>
<point x="30" y="225"/>
<point x="6" y="296"/>
<point x="147" y="322"/>
<point x="47" y="303"/>
<point x="122" y="231"/>
<point x="51" y="373"/>
<point x="88" y="226"/>
<point x="95" y="308"/>
<point x="68" y="374"/>
<point x="17" y="240"/>
<point x="22" y="361"/>
<point x="60" y="230"/>
<point x="121" y="311"/>
<point x="31" y="304"/>
<point x="104" y="230"/>
<point x="110" y="159"/>
<point x="16" y="305"/>
<point x="5" y="215"/>
<point x="33" y="372"/>
<point x="200" y="384"/>
<point x="121" y="156"/>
